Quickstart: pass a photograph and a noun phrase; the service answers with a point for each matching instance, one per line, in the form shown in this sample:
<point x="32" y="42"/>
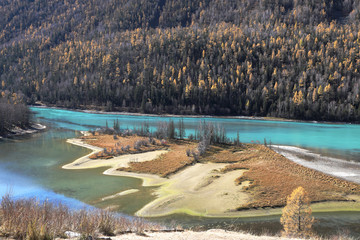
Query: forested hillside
<point x="286" y="58"/>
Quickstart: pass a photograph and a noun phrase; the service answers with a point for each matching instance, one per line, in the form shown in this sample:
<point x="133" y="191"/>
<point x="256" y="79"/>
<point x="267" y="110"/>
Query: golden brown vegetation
<point x="164" y="165"/>
<point x="30" y="219"/>
<point x="229" y="154"/>
<point x="119" y="145"/>
<point x="273" y="177"/>
<point x="167" y="163"/>
<point x="296" y="218"/>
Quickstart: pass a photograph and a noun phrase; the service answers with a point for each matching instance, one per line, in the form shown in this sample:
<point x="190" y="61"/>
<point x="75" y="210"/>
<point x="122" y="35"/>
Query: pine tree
<point x="181" y="129"/>
<point x="171" y="130"/>
<point x="296" y="218"/>
<point x="116" y="125"/>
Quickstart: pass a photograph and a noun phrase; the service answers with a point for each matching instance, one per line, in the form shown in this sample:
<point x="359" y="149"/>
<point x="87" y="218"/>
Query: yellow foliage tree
<point x="298" y="97"/>
<point x="296" y="218"/>
<point x="314" y="95"/>
<point x="128" y="68"/>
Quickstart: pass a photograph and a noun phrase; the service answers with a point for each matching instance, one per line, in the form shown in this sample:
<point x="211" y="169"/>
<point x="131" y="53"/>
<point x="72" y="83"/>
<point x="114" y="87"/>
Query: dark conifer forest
<point x="286" y="58"/>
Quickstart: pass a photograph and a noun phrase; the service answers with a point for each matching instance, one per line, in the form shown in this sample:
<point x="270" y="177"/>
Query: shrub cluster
<point x="31" y="219"/>
<point x="138" y="144"/>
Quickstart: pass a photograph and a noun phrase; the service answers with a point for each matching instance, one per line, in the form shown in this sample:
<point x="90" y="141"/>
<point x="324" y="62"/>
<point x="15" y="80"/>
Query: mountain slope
<point x="292" y="59"/>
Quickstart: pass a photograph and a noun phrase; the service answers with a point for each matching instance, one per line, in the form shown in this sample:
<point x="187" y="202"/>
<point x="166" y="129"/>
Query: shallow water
<point x="326" y="224"/>
<point x="31" y="166"/>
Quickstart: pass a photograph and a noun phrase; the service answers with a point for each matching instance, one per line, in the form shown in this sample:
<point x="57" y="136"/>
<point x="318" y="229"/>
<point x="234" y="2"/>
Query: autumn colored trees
<point x="291" y="59"/>
<point x="296" y="218"/>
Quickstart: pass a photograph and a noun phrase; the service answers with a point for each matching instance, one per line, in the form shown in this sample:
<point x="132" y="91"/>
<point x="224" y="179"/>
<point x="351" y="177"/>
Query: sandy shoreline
<point x="212" y="234"/>
<point x="34" y="128"/>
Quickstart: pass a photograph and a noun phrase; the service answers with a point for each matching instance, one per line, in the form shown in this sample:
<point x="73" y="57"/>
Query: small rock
<point x="71" y="234"/>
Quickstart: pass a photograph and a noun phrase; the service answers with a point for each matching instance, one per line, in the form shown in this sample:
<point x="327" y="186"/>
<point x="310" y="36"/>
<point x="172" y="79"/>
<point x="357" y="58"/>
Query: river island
<point x="229" y="180"/>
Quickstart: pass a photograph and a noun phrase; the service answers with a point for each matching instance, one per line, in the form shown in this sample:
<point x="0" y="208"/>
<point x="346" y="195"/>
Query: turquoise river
<point x="30" y="166"/>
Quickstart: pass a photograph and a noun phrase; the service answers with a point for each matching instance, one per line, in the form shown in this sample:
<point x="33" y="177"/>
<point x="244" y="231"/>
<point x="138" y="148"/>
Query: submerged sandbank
<point x="123" y="193"/>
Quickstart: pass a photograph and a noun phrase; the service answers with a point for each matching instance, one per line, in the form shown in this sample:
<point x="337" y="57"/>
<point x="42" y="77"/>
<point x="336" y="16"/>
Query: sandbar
<point x="123" y="193"/>
<point x="200" y="189"/>
<point x="116" y="162"/>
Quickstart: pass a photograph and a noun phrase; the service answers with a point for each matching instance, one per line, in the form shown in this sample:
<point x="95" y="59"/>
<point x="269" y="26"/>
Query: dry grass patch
<point x="119" y="145"/>
<point x="167" y="163"/>
<point x="274" y="177"/>
<point x="230" y="154"/>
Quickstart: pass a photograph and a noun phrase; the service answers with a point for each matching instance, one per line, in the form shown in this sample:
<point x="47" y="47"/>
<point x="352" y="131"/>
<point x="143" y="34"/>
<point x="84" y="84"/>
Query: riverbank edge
<point x="150" y="180"/>
<point x="18" y="132"/>
<point x="298" y="154"/>
<point x="275" y="119"/>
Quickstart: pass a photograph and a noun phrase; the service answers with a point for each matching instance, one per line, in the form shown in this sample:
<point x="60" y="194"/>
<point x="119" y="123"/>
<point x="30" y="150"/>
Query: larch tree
<point x="296" y="218"/>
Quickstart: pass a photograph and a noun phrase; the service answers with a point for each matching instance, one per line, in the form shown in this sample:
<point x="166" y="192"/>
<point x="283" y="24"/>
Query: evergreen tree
<point x="181" y="128"/>
<point x="171" y="130"/>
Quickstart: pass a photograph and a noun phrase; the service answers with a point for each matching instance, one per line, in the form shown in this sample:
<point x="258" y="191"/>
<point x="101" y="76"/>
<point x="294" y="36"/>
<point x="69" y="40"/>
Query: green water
<point x="326" y="224"/>
<point x="38" y="160"/>
<point x="31" y="166"/>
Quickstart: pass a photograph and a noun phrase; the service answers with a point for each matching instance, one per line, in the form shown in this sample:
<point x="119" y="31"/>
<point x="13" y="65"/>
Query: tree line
<point x="13" y="113"/>
<point x="291" y="59"/>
